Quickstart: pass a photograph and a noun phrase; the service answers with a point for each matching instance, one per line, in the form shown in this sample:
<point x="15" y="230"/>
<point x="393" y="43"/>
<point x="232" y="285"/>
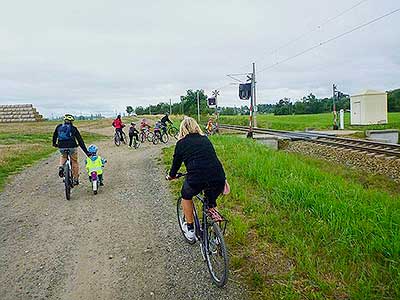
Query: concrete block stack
<point x="19" y="113"/>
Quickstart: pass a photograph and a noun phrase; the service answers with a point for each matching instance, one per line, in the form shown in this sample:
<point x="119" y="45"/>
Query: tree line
<point x="309" y="104"/>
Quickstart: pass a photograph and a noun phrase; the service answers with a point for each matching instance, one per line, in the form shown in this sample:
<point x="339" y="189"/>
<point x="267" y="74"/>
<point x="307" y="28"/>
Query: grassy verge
<point x="299" y="231"/>
<point x="301" y="122"/>
<point x="18" y="151"/>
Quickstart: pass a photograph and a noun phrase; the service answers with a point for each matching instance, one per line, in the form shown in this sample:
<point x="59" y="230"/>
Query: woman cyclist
<point x="204" y="170"/>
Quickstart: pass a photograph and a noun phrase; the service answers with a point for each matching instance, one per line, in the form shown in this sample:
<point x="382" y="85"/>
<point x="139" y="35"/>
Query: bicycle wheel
<point x="156" y="138"/>
<point x="136" y="143"/>
<point x="142" y="137"/>
<point x="67" y="181"/>
<point x="117" y="140"/>
<point x="216" y="253"/>
<point x="181" y="220"/>
<point x="173" y="131"/>
<point x="123" y="137"/>
<point x="164" y="138"/>
<point x="150" y="137"/>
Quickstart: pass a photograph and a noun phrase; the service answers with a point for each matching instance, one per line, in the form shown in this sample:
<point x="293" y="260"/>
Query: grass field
<point x="22" y="144"/>
<point x="301" y="122"/>
<point x="299" y="231"/>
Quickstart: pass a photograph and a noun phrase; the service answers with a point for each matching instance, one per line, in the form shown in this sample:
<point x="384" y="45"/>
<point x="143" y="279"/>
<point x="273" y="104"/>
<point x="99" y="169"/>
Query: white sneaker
<point x="189" y="234"/>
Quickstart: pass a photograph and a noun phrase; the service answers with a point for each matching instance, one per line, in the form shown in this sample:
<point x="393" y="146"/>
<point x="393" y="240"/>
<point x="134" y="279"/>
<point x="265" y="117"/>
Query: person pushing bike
<point x="118" y="125"/>
<point x="65" y="138"/>
<point x="204" y="170"/>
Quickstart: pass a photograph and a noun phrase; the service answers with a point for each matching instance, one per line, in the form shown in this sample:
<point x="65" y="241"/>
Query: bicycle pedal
<point x="215" y="215"/>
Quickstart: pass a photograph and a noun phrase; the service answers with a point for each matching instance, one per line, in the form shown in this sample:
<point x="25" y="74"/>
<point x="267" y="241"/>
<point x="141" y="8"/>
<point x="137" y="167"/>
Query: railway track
<point x="372" y="147"/>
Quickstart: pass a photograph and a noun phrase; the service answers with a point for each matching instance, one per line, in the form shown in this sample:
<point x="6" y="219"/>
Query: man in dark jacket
<point x="164" y="120"/>
<point x="65" y="138"/>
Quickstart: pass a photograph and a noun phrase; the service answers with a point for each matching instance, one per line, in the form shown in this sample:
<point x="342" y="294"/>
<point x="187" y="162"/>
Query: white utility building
<point x="369" y="108"/>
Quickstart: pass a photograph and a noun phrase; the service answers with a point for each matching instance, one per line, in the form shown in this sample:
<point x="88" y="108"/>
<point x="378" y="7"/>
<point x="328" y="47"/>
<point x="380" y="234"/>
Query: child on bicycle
<point x="95" y="162"/>
<point x="133" y="132"/>
<point x="157" y="128"/>
<point x="144" y="124"/>
<point x="204" y="170"/>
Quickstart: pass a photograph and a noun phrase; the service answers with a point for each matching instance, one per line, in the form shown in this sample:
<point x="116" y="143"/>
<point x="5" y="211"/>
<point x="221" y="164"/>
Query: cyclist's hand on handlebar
<point x="167" y="177"/>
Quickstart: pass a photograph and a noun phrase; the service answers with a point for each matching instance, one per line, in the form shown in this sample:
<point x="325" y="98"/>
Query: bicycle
<point x="211" y="237"/>
<point x="172" y="131"/>
<point x="160" y="135"/>
<point x="136" y="143"/>
<point x="68" y="180"/>
<point x="146" y="134"/>
<point x="118" y="138"/>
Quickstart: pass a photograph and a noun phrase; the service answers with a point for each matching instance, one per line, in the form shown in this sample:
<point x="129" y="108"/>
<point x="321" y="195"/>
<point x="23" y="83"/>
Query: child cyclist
<point x="95" y="162"/>
<point x="133" y="132"/>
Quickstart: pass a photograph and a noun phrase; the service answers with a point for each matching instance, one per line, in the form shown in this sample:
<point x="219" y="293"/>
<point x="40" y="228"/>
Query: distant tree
<point x="189" y="102"/>
<point x="284" y="107"/>
<point x="394" y="100"/>
<point x="129" y="110"/>
<point x="140" y="110"/>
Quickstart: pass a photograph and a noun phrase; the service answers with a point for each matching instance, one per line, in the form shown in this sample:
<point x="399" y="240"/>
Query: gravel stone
<point x="375" y="164"/>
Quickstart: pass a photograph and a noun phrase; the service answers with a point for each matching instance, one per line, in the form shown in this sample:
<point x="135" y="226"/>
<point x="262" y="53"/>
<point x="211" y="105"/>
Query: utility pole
<point x="215" y="94"/>
<point x="254" y="96"/>
<point x="170" y="107"/>
<point x="334" y="90"/>
<point x="198" y="106"/>
<point x="182" y="105"/>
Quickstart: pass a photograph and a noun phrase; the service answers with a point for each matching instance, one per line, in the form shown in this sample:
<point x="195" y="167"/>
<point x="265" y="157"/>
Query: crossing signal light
<point x="212" y="101"/>
<point x="245" y="91"/>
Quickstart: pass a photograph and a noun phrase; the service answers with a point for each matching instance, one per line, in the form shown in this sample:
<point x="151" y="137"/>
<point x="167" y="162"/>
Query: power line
<point x="301" y="36"/>
<point x="329" y="40"/>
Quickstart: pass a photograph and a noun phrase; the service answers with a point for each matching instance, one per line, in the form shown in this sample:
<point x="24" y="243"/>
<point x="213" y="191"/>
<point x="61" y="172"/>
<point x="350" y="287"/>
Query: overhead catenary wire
<point x="301" y="36"/>
<point x="328" y="40"/>
<point x="308" y="32"/>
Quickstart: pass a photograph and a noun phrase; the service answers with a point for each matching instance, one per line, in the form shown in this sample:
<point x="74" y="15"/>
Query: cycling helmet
<point x="92" y="149"/>
<point x="69" y="117"/>
<point x="133" y="123"/>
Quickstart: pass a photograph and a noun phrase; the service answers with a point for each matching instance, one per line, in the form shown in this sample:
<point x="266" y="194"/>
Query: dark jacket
<point x="133" y="130"/>
<point x="200" y="159"/>
<point x="71" y="143"/>
<point x="165" y="119"/>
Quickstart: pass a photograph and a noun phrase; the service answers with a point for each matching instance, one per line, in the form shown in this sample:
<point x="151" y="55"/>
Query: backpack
<point x="64" y="132"/>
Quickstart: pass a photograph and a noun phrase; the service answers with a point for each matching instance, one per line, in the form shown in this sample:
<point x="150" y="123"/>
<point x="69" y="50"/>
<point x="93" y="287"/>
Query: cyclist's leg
<point x="188" y="192"/>
<point x="63" y="159"/>
<point x="130" y="140"/>
<point x="101" y="179"/>
<point x="212" y="192"/>
<point x="74" y="163"/>
<point x="187" y="205"/>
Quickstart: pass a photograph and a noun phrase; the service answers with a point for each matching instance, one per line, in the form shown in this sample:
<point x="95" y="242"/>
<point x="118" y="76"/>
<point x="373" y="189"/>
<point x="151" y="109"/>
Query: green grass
<point x="23" y="149"/>
<point x="299" y="231"/>
<point x="301" y="122"/>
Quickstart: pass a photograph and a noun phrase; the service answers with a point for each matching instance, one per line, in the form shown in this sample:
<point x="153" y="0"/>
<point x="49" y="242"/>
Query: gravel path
<point x="123" y="243"/>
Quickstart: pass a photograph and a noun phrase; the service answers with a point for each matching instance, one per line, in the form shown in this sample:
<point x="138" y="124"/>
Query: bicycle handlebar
<point x="178" y="175"/>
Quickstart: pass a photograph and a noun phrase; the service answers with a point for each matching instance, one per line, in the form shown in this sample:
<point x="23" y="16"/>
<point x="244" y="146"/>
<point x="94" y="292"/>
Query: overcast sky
<point x="99" y="56"/>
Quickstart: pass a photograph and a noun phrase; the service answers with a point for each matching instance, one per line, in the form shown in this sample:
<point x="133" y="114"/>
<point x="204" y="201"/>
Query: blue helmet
<point x="92" y="149"/>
